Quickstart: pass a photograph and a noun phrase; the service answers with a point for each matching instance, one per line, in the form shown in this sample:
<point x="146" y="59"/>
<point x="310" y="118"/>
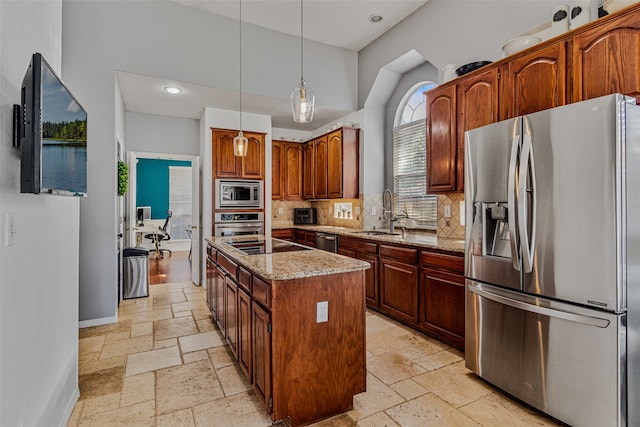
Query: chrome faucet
<point x="387" y="207"/>
<point x="387" y="210"/>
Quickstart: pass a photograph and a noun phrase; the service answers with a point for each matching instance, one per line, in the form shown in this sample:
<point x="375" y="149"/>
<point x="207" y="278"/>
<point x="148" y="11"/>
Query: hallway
<point x="169" y="269"/>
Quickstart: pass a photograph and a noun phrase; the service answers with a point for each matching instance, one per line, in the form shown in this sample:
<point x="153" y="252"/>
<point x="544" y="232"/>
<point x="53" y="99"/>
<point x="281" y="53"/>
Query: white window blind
<point x="410" y="175"/>
<point x="180" y="201"/>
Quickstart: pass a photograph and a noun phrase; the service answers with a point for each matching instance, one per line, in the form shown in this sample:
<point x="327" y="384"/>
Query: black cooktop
<point x="266" y="246"/>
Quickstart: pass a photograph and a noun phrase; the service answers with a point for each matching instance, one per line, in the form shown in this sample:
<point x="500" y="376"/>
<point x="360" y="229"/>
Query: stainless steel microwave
<point x="234" y="194"/>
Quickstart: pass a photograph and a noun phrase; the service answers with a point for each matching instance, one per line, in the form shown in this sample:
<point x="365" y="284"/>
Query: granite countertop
<point x="416" y="239"/>
<point x="288" y="265"/>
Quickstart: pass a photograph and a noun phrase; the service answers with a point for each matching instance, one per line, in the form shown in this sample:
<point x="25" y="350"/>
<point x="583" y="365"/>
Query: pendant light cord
<point x="240" y="54"/>
<point x="301" y="41"/>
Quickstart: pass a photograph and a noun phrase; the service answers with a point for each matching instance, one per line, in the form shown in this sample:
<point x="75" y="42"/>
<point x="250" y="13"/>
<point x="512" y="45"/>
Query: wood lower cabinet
<point x="231" y="314"/>
<point x="366" y="251"/>
<point x="305" y="237"/>
<point x="211" y="273"/>
<point x="399" y="278"/>
<point x="442" y="310"/>
<point x="303" y="371"/>
<point x="245" y="354"/>
<point x="284" y="234"/>
<point x="261" y="346"/>
<point x="423" y="289"/>
<point x="443" y="306"/>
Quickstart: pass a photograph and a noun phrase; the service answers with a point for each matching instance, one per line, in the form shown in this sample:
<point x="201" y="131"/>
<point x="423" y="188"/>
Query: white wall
<point x="164" y="39"/>
<point x="161" y="134"/>
<point x="39" y="273"/>
<point x="451" y="32"/>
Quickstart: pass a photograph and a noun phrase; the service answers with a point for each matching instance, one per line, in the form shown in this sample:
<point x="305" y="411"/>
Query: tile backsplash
<point x="451" y="227"/>
<point x="367" y="213"/>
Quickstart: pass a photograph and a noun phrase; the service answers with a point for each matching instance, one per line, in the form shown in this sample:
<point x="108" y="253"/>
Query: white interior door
<point x="131" y="200"/>
<point x="196" y="230"/>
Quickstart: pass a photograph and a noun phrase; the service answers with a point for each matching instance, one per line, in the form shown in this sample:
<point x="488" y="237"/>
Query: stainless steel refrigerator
<point x="553" y="259"/>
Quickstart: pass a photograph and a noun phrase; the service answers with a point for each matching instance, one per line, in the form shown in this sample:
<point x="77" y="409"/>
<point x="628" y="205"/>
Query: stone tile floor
<point x="164" y="363"/>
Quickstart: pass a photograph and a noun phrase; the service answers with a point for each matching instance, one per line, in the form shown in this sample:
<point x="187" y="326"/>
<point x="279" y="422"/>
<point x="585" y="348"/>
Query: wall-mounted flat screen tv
<point x="53" y="142"/>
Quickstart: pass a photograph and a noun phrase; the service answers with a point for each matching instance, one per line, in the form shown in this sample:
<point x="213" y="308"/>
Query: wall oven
<point x="238" y="223"/>
<point x="238" y="194"/>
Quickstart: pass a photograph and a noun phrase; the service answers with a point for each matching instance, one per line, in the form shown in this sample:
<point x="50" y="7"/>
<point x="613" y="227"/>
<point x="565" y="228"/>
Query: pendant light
<point x="240" y="142"/>
<point x="302" y="98"/>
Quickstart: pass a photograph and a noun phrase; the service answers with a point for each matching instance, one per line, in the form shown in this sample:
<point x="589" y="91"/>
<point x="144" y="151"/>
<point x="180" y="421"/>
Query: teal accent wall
<point x="152" y="184"/>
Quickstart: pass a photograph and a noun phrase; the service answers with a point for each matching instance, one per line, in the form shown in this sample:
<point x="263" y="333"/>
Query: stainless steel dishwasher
<point x="327" y="242"/>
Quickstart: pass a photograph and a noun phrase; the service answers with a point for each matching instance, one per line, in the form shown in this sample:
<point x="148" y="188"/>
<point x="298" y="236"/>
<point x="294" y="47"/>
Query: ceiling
<point x="339" y="23"/>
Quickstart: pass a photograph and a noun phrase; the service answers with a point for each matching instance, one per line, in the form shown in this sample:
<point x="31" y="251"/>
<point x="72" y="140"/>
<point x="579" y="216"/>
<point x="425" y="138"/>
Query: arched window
<point x="410" y="159"/>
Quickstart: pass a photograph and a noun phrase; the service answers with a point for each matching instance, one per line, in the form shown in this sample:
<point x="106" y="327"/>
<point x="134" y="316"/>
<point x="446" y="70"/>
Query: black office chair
<point x="159" y="236"/>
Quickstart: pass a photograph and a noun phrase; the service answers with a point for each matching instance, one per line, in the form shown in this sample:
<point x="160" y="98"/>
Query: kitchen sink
<point x="377" y="233"/>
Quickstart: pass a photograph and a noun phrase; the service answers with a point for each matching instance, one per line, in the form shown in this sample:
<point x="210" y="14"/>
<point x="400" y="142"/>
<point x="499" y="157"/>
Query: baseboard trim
<point x="69" y="410"/>
<point x="97" y="322"/>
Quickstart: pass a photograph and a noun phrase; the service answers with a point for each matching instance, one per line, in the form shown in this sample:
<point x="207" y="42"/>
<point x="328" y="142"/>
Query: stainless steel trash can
<point x="135" y="273"/>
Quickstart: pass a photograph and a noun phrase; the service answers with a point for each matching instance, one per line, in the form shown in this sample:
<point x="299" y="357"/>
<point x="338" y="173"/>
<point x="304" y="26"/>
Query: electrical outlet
<point x="357" y="210"/>
<point x="280" y="210"/>
<point x="373" y="210"/>
<point x="447" y="211"/>
<point x="322" y="311"/>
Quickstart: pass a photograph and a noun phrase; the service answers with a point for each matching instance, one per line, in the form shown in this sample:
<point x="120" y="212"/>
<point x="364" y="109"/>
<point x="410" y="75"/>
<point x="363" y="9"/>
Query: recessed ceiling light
<point x="173" y="90"/>
<point x="375" y="18"/>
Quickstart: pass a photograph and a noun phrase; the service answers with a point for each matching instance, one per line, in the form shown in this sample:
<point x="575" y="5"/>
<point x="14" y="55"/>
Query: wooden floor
<point x="170" y="268"/>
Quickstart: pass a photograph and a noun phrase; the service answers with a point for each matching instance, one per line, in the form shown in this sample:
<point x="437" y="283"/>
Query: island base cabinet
<point x="317" y="367"/>
<point x="244" y="332"/>
<point x="261" y="343"/>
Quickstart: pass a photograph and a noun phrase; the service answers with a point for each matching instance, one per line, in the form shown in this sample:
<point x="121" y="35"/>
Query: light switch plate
<point x="9" y="230"/>
<point x="322" y="312"/>
<point x="447" y="211"/>
<point x="280" y="210"/>
<point x="357" y="210"/>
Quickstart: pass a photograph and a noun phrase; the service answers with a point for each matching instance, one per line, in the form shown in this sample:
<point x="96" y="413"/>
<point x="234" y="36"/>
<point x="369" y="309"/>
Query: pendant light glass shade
<point x="302" y="98"/>
<point x="302" y="101"/>
<point x="240" y="145"/>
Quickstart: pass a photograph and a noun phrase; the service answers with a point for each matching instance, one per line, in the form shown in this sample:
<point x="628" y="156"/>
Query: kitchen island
<point x="294" y="317"/>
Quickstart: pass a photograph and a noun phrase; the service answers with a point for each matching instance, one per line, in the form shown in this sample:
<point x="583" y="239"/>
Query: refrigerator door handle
<point x="511" y="202"/>
<point x="521" y="305"/>
<point x="527" y="177"/>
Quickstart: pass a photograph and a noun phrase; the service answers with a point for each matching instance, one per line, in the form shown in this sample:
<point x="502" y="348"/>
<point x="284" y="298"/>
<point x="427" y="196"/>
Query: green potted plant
<point x="123" y="178"/>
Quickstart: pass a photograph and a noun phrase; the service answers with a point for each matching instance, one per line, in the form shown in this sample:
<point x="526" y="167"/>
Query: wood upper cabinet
<point x="477" y="105"/>
<point x="606" y="59"/>
<point x="330" y="165"/>
<point x="441" y="140"/>
<point x="320" y="166"/>
<point x="286" y="171"/>
<point x="227" y="165"/>
<point x="535" y="82"/>
<point x="308" y="170"/>
<point x="277" y="170"/>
